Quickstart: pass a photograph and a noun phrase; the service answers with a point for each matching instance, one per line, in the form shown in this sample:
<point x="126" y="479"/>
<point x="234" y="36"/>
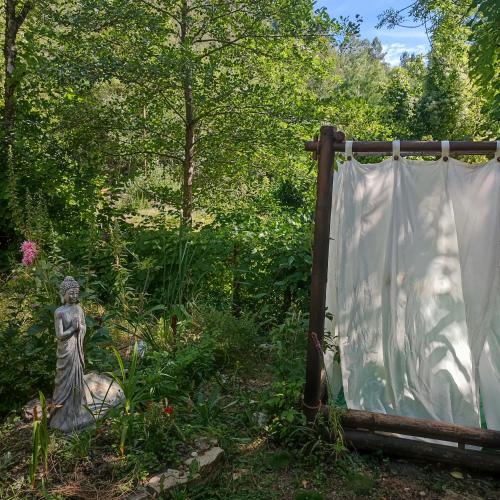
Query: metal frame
<point x="324" y="148"/>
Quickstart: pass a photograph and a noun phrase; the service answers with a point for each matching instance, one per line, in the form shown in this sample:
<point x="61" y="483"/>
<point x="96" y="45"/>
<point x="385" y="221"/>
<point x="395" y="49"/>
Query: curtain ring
<point x="445" y="150"/>
<point x="396" y="147"/>
<point x="348" y="150"/>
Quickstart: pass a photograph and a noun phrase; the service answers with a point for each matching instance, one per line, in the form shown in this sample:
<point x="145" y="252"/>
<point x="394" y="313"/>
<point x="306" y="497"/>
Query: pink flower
<point x="30" y="251"/>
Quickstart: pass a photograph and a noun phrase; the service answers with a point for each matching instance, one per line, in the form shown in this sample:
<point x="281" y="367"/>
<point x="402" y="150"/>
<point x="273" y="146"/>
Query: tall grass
<point x="128" y="380"/>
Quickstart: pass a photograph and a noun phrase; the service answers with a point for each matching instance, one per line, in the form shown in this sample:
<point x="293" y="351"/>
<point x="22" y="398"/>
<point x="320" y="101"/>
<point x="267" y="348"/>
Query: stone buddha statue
<point x="69" y="412"/>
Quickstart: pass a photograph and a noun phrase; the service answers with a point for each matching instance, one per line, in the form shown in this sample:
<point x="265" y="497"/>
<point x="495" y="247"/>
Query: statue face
<point x="71" y="296"/>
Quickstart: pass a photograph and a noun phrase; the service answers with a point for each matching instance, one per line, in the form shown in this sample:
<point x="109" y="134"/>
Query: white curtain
<point x="475" y="194"/>
<point x="413" y="285"/>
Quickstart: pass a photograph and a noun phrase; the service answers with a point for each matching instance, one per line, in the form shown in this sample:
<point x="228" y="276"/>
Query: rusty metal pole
<point x="312" y="390"/>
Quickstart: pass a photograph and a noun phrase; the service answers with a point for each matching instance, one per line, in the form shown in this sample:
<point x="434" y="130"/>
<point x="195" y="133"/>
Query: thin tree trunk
<point x="188" y="167"/>
<point x="13" y="21"/>
<point x="10" y="53"/>
<point x="144" y="133"/>
<point x="236" y="301"/>
<point x="189" y="135"/>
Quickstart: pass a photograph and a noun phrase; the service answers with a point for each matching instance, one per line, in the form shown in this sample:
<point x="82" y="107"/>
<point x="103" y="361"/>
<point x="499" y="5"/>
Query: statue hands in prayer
<point x="69" y="400"/>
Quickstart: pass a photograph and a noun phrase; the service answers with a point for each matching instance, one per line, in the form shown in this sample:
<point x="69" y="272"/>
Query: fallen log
<point x="357" y="419"/>
<point x="471" y="459"/>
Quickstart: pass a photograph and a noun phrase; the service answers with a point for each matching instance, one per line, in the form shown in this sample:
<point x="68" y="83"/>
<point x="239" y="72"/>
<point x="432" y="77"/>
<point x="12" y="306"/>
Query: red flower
<point x="168" y="410"/>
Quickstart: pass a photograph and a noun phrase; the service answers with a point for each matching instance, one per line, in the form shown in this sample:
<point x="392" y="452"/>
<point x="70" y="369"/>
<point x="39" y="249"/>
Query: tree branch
<point x="202" y="30"/>
<point x="152" y="153"/>
<point x="21" y="17"/>
<point x="161" y="10"/>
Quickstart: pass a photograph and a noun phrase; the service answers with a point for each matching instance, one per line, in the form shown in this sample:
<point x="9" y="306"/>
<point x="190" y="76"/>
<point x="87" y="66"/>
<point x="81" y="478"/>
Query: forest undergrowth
<point x="224" y="381"/>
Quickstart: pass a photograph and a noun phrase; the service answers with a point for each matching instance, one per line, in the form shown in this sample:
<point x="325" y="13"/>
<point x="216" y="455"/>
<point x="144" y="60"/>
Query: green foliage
<point x="157" y="434"/>
<point x="402" y="96"/>
<point x="464" y="44"/>
<point x="485" y="52"/>
<point x="308" y="495"/>
<point x="193" y="363"/>
<point x="280" y="460"/>
<point x="207" y="407"/>
<point x="129" y="382"/>
<point x="80" y="443"/>
<point x="40" y="448"/>
<point x="28" y="300"/>
<point x="27" y="333"/>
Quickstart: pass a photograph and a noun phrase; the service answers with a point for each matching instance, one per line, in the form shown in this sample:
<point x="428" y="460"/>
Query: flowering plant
<point x="30" y="252"/>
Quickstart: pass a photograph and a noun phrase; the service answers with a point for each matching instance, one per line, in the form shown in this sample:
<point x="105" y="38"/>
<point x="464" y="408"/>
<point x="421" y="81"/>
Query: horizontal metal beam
<point x="415" y="147"/>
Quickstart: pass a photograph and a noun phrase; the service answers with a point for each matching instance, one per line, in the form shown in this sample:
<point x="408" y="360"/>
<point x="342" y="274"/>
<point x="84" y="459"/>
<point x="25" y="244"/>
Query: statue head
<point x="69" y="290"/>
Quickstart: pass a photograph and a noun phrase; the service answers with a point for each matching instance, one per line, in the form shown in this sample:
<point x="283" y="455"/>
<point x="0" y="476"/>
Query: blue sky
<point x="394" y="41"/>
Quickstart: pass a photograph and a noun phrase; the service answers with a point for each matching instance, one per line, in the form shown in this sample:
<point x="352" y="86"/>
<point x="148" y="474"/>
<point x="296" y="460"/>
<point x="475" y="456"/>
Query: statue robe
<point x="69" y="413"/>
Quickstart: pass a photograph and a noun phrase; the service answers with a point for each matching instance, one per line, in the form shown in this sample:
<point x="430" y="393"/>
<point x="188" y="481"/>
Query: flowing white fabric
<point x="414" y="287"/>
<point x="475" y="193"/>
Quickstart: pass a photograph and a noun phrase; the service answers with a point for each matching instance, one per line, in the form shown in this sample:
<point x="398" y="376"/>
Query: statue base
<point x="101" y="393"/>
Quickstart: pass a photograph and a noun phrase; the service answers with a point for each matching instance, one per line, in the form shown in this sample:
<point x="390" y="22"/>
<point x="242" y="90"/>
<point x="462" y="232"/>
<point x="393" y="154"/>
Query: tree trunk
<point x="13" y="21"/>
<point x="188" y="166"/>
<point x="236" y="301"/>
<point x="189" y="135"/>
<point x="10" y="53"/>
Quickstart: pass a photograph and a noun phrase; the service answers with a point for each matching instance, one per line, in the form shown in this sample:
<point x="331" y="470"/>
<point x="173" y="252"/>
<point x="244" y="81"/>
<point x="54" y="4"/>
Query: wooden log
<point x="312" y="389"/>
<point x="471" y="459"/>
<point x="357" y="419"/>
<point x="417" y="147"/>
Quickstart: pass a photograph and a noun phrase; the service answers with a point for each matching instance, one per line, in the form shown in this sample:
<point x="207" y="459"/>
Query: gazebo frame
<point x="367" y="430"/>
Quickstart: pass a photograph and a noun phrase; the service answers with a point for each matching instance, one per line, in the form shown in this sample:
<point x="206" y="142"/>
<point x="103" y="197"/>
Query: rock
<point x="202" y="443"/>
<point x="140" y="494"/>
<point x="30" y="407"/>
<point x="101" y="393"/>
<point x="167" y="480"/>
<point x="260" y="418"/>
<point x="207" y="461"/>
<point x="200" y="468"/>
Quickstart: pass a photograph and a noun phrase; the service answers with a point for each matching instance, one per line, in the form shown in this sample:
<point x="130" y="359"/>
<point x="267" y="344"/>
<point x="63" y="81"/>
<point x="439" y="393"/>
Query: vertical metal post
<point x="312" y="390"/>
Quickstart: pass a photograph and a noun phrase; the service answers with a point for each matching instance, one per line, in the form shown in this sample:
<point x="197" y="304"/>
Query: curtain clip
<point x="348" y="150"/>
<point x="445" y="150"/>
<point x="396" y="148"/>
